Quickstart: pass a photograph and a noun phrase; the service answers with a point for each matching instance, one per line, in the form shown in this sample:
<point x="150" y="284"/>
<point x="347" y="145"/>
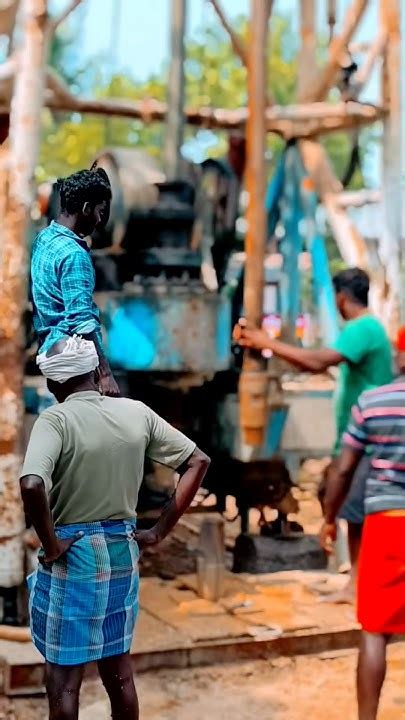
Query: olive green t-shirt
<point x="90" y="453"/>
<point x="367" y="349"/>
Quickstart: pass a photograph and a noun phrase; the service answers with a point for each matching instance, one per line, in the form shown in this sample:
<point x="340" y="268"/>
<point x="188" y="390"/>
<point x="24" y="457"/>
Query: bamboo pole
<point x="390" y="15"/>
<point x="175" y="91"/>
<point x="236" y="42"/>
<point x="292" y="120"/>
<point x="305" y="120"/>
<point x="307" y="66"/>
<point x="253" y="381"/>
<point x="337" y="47"/>
<point x="376" y="49"/>
<point x="70" y="7"/>
<point x="8" y="12"/>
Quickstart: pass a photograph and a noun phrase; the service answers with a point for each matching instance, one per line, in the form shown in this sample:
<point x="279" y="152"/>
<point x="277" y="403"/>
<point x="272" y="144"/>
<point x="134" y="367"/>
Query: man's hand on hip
<point x="146" y="538"/>
<point x="62" y="547"/>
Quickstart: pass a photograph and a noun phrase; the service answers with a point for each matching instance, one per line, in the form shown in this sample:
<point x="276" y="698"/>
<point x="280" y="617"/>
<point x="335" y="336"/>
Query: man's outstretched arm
<point x="192" y="473"/>
<point x="314" y="361"/>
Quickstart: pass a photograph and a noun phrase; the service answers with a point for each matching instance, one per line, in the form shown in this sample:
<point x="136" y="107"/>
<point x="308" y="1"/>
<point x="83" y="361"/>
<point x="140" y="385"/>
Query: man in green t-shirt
<point x="363" y="354"/>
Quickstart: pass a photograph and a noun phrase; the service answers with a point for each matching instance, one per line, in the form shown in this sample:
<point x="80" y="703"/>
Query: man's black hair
<point x="92" y="186"/>
<point x="355" y="283"/>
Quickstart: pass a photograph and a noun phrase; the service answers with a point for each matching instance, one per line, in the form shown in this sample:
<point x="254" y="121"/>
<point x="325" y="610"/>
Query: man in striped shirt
<point x="377" y="426"/>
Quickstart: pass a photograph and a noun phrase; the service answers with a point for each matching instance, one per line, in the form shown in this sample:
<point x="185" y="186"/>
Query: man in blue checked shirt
<point x="62" y="274"/>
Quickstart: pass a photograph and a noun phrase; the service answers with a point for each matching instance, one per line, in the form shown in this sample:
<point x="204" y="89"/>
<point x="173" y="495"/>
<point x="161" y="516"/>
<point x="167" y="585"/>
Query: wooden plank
<point x="301" y="643"/>
<point x="151" y="633"/>
<point x="216" y="624"/>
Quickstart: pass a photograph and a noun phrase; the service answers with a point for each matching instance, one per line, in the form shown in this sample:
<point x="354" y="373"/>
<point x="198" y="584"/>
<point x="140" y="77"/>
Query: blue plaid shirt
<point x="62" y="285"/>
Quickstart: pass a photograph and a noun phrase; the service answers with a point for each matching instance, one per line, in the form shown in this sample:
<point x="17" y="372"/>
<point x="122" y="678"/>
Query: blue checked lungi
<point x="84" y="606"/>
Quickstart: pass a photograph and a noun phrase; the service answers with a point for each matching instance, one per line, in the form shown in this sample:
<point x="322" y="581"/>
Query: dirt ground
<point x="282" y="689"/>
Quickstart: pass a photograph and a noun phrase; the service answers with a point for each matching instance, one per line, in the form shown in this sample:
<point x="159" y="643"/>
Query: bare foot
<point x="346" y="596"/>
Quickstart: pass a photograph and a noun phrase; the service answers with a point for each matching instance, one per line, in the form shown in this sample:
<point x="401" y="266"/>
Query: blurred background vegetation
<point x="214" y="77"/>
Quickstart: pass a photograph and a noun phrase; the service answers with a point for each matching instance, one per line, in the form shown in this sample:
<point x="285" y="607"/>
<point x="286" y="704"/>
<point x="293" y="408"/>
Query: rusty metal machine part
<point x="167" y="335"/>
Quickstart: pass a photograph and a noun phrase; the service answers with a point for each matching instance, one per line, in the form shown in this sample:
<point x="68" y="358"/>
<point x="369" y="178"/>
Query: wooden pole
<point x="305" y="120"/>
<point x="338" y="46"/>
<point x="391" y="160"/>
<point x="253" y="382"/>
<point x="376" y="49"/>
<point x="175" y="95"/>
<point x="307" y="66"/>
<point x="236" y="42"/>
<point x="16" y="188"/>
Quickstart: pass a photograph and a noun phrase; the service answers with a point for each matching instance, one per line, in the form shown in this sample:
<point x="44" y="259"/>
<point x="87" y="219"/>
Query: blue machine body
<point x="181" y="329"/>
<point x="168" y="324"/>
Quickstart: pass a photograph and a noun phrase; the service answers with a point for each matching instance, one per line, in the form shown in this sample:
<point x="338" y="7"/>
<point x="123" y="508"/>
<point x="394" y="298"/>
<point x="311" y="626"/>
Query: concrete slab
<point x="258" y="617"/>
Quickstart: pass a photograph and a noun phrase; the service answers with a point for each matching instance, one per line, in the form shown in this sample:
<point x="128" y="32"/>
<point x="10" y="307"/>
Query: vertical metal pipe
<point x="253" y="382"/>
<point x="175" y="94"/>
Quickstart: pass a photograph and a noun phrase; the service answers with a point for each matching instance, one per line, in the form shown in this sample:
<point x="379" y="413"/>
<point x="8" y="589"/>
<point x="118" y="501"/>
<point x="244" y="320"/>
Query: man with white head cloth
<point x="62" y="273"/>
<point x="80" y="482"/>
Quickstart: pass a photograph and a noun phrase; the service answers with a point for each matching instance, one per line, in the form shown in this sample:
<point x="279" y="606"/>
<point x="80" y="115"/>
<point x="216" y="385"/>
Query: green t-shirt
<point x="90" y="452"/>
<point x="366" y="346"/>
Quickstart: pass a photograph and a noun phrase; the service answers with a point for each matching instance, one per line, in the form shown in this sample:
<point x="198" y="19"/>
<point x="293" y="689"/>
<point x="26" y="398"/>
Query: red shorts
<point x="381" y="580"/>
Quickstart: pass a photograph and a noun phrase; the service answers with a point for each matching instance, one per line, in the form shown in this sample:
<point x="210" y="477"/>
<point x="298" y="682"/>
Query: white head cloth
<point x="78" y="357"/>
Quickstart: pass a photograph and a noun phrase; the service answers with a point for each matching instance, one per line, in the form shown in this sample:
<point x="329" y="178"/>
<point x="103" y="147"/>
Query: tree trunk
<point x="17" y="166"/>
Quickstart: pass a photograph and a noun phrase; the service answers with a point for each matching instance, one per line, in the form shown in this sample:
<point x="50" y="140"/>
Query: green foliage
<point x="214" y="77"/>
